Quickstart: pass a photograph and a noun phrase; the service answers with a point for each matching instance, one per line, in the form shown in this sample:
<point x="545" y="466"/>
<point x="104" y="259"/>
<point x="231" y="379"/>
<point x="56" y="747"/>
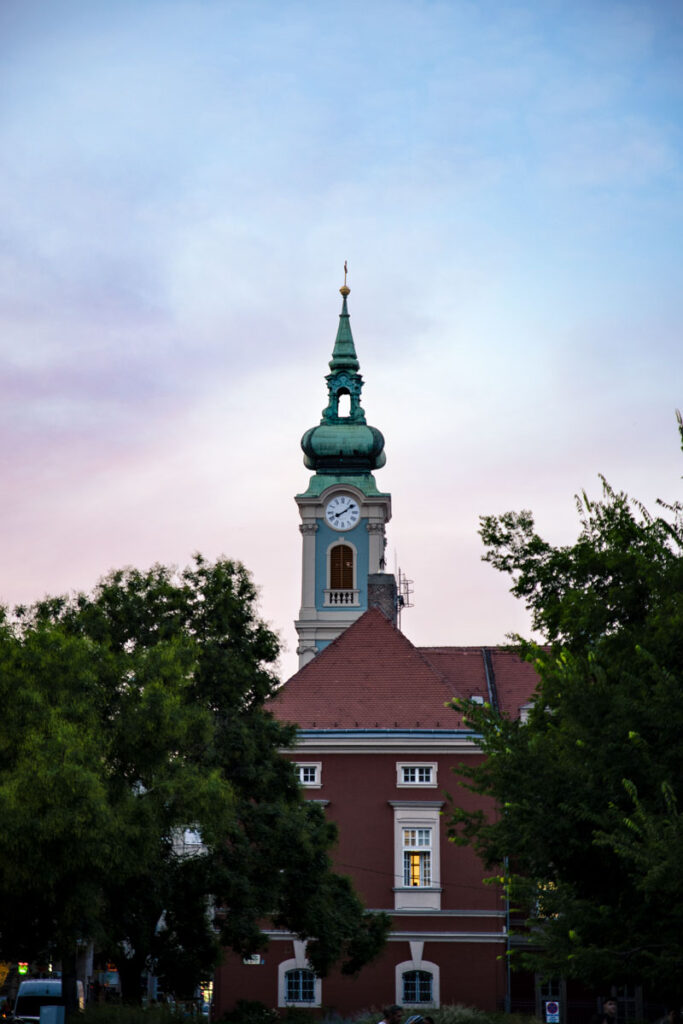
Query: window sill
<point x="415" y="897"/>
<point x="418" y="888"/>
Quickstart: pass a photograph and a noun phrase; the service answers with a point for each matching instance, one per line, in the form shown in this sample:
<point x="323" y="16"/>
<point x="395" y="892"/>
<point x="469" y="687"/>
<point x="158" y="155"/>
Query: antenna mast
<point x="404" y="595"/>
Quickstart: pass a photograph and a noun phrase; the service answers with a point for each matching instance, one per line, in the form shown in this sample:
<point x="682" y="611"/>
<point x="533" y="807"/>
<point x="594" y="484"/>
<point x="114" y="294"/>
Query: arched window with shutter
<point x="341" y="567"/>
<point x="341" y="575"/>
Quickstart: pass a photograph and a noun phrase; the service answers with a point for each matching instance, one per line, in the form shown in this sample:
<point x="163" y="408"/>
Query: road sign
<point x="552" y="1012"/>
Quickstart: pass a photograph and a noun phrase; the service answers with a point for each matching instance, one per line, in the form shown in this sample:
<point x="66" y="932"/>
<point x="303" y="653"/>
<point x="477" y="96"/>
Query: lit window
<point x="417" y="867"/>
<point x="310" y="774"/>
<point x="417" y="856"/>
<point x="300" y="986"/>
<point x="417" y="987"/>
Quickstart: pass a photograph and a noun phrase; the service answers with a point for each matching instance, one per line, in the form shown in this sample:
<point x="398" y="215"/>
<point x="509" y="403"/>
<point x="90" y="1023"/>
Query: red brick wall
<point x="359" y="788"/>
<point x="470" y="974"/>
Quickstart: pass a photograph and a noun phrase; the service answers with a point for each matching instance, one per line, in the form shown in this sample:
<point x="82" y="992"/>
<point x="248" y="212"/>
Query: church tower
<point x="343" y="514"/>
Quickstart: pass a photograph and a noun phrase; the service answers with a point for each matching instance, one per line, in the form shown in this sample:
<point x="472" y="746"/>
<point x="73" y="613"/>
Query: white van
<point x="36" y="992"/>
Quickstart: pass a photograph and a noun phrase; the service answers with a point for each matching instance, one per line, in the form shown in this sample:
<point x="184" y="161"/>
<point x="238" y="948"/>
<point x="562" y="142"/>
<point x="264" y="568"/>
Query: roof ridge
<point x="382" y="660"/>
<point x="372" y="676"/>
<point x="476" y="648"/>
<point x="335" y="643"/>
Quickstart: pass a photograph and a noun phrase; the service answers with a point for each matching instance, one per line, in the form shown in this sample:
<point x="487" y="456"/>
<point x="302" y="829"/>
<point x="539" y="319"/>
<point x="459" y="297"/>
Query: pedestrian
<point x="672" y="1016"/>
<point x="392" y="1015"/>
<point x="608" y="1013"/>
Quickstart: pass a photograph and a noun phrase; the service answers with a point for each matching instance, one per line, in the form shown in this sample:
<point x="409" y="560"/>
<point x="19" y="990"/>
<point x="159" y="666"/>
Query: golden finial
<point x="344" y="290"/>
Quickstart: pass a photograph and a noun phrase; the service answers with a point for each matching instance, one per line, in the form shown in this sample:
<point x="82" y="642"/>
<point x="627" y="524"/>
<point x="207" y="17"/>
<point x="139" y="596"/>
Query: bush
<point x="250" y="1011"/>
<point x="121" y="1013"/>
<point x="457" y="1014"/>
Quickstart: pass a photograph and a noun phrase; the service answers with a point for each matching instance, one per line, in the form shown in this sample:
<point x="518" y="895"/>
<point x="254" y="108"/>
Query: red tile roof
<point x="463" y="666"/>
<point x="516" y="681"/>
<point x="372" y="677"/>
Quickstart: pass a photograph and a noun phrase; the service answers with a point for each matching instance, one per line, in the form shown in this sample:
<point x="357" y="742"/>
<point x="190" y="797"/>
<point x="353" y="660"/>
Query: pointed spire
<point x="344" y="353"/>
<point x="344" y="444"/>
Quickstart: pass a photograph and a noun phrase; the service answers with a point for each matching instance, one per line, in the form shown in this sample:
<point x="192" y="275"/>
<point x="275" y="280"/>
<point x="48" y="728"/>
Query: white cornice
<point x="424" y="912"/>
<point x="420" y="936"/>
<point x="415" y="936"/>
<point x="383" y="741"/>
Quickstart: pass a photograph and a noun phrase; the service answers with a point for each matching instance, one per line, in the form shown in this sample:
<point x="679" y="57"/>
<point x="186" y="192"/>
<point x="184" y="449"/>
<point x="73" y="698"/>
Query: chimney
<point x="382" y="594"/>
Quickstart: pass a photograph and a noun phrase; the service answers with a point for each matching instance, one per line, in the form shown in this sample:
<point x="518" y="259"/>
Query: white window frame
<point x="410" y="814"/>
<point x="417" y="843"/>
<point x="352" y="596"/>
<point x="317" y="766"/>
<point x="402" y="767"/>
<point x="525" y="711"/>
<point x="299" y="962"/>
<point x="418" y="964"/>
<point x="304" y="975"/>
<point x="417" y="1002"/>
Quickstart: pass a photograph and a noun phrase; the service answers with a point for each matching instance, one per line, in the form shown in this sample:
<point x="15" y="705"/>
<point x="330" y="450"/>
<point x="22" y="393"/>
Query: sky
<point x="182" y="181"/>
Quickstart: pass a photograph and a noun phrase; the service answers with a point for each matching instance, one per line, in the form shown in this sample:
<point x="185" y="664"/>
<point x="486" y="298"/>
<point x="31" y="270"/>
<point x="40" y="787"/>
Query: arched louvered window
<point x="341" y="567"/>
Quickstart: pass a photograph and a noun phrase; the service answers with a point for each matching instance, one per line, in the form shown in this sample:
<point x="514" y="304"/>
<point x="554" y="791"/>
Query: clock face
<point x="342" y="512"/>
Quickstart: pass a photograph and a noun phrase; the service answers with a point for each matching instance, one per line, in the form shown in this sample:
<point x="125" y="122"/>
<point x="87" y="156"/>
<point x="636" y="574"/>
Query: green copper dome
<point x="343" y="444"/>
<point x="343" y="448"/>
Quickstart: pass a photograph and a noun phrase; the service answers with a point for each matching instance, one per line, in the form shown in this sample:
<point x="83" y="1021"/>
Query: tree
<point x="56" y="831"/>
<point x="589" y="787"/>
<point x="163" y="678"/>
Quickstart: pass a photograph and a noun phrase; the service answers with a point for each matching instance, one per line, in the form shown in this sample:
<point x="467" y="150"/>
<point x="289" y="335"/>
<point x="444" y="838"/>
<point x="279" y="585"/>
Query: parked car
<point x="36" y="992"/>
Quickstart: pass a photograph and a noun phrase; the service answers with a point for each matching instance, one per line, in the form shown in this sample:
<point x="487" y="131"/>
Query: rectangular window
<point x="413" y="774"/>
<point x="300" y="986"/>
<point x="310" y="775"/>
<point x="417" y="856"/>
<point x="417" y="987"/>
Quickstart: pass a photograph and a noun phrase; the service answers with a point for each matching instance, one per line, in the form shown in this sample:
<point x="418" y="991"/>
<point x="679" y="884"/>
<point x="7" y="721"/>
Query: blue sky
<point x="182" y="182"/>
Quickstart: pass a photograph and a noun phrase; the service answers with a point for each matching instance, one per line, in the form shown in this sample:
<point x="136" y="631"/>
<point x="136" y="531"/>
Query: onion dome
<point x="343" y="444"/>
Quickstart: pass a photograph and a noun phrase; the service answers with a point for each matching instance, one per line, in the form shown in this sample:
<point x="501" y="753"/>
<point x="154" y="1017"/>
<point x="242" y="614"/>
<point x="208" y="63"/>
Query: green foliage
<point x="589" y="787"/>
<point x="112" y="1013"/>
<point x="296" y="1015"/>
<point x="250" y="1011"/>
<point x="453" y="1014"/>
<point x="133" y="715"/>
<point x="459" y="1014"/>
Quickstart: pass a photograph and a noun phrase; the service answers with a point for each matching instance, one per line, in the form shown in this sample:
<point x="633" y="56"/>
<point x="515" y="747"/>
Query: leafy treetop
<point x="136" y="715"/>
<point x="590" y="785"/>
